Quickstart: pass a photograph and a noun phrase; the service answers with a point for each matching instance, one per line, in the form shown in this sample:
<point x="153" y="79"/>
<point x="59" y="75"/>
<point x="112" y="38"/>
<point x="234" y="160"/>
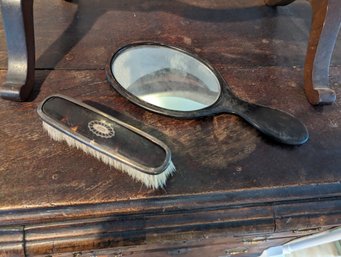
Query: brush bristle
<point x="151" y="181"/>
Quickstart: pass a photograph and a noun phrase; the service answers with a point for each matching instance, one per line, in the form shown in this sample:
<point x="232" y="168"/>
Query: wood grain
<point x="256" y="163"/>
<point x="12" y="241"/>
<point x="231" y="183"/>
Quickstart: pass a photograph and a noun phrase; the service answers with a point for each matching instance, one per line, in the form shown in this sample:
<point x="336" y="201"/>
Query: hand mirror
<point x="173" y="82"/>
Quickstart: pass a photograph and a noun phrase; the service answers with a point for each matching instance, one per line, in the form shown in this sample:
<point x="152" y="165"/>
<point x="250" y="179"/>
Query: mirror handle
<point x="278" y="125"/>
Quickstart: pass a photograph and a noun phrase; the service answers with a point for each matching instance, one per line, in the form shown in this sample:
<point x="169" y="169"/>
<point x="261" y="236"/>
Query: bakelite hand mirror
<point x="173" y="82"/>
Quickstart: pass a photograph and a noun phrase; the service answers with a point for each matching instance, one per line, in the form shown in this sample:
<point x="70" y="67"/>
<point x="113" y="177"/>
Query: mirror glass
<point x="166" y="77"/>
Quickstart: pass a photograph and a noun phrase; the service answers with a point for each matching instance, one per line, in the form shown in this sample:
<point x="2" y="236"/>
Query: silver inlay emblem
<point x="101" y="129"/>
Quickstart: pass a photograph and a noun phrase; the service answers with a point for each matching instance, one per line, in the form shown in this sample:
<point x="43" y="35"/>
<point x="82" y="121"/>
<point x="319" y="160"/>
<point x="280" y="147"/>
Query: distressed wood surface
<point x="12" y="241"/>
<point x="213" y="154"/>
<point x="230" y="181"/>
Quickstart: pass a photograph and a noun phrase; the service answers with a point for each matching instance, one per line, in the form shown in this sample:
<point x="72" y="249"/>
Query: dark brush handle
<point x="278" y="125"/>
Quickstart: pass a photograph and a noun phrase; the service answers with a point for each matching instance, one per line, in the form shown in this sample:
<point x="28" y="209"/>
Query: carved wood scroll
<point x="326" y="20"/>
<point x="18" y="22"/>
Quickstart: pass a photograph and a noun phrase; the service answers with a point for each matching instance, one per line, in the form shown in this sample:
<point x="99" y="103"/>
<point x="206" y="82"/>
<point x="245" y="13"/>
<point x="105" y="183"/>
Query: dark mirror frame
<point x="215" y="108"/>
<point x="276" y="124"/>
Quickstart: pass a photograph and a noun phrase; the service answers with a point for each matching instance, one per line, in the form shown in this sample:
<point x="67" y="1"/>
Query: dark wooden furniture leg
<point x="18" y="23"/>
<point x="326" y="20"/>
<point x="324" y="31"/>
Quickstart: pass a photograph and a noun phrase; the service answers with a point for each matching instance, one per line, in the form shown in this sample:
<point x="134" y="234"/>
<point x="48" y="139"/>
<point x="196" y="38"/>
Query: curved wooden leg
<point x="18" y="23"/>
<point x="277" y="2"/>
<point x="324" y="31"/>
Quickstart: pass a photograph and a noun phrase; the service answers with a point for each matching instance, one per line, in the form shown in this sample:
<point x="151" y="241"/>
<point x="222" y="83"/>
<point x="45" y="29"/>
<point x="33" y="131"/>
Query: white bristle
<point x="151" y="181"/>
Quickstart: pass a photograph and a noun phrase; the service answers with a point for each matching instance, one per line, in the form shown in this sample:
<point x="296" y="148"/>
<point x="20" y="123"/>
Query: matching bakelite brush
<point x="110" y="140"/>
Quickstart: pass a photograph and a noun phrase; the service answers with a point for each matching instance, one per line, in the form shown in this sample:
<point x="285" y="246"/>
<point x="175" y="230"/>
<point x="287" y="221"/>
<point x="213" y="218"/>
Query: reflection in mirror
<point x="172" y="82"/>
<point x="166" y="78"/>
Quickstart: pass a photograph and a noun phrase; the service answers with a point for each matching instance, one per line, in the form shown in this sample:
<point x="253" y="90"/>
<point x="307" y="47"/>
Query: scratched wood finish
<point x="11" y="241"/>
<point x="223" y="246"/>
<point x="226" y="246"/>
<point x="208" y="153"/>
<point x="230" y="181"/>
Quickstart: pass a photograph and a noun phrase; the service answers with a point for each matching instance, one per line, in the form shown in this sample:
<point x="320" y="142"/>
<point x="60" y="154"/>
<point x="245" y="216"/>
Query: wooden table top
<point x="221" y="161"/>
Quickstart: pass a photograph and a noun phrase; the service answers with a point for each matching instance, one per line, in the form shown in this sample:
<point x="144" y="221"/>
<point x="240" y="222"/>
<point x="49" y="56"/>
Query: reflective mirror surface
<point x="166" y="77"/>
<point x="170" y="81"/>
